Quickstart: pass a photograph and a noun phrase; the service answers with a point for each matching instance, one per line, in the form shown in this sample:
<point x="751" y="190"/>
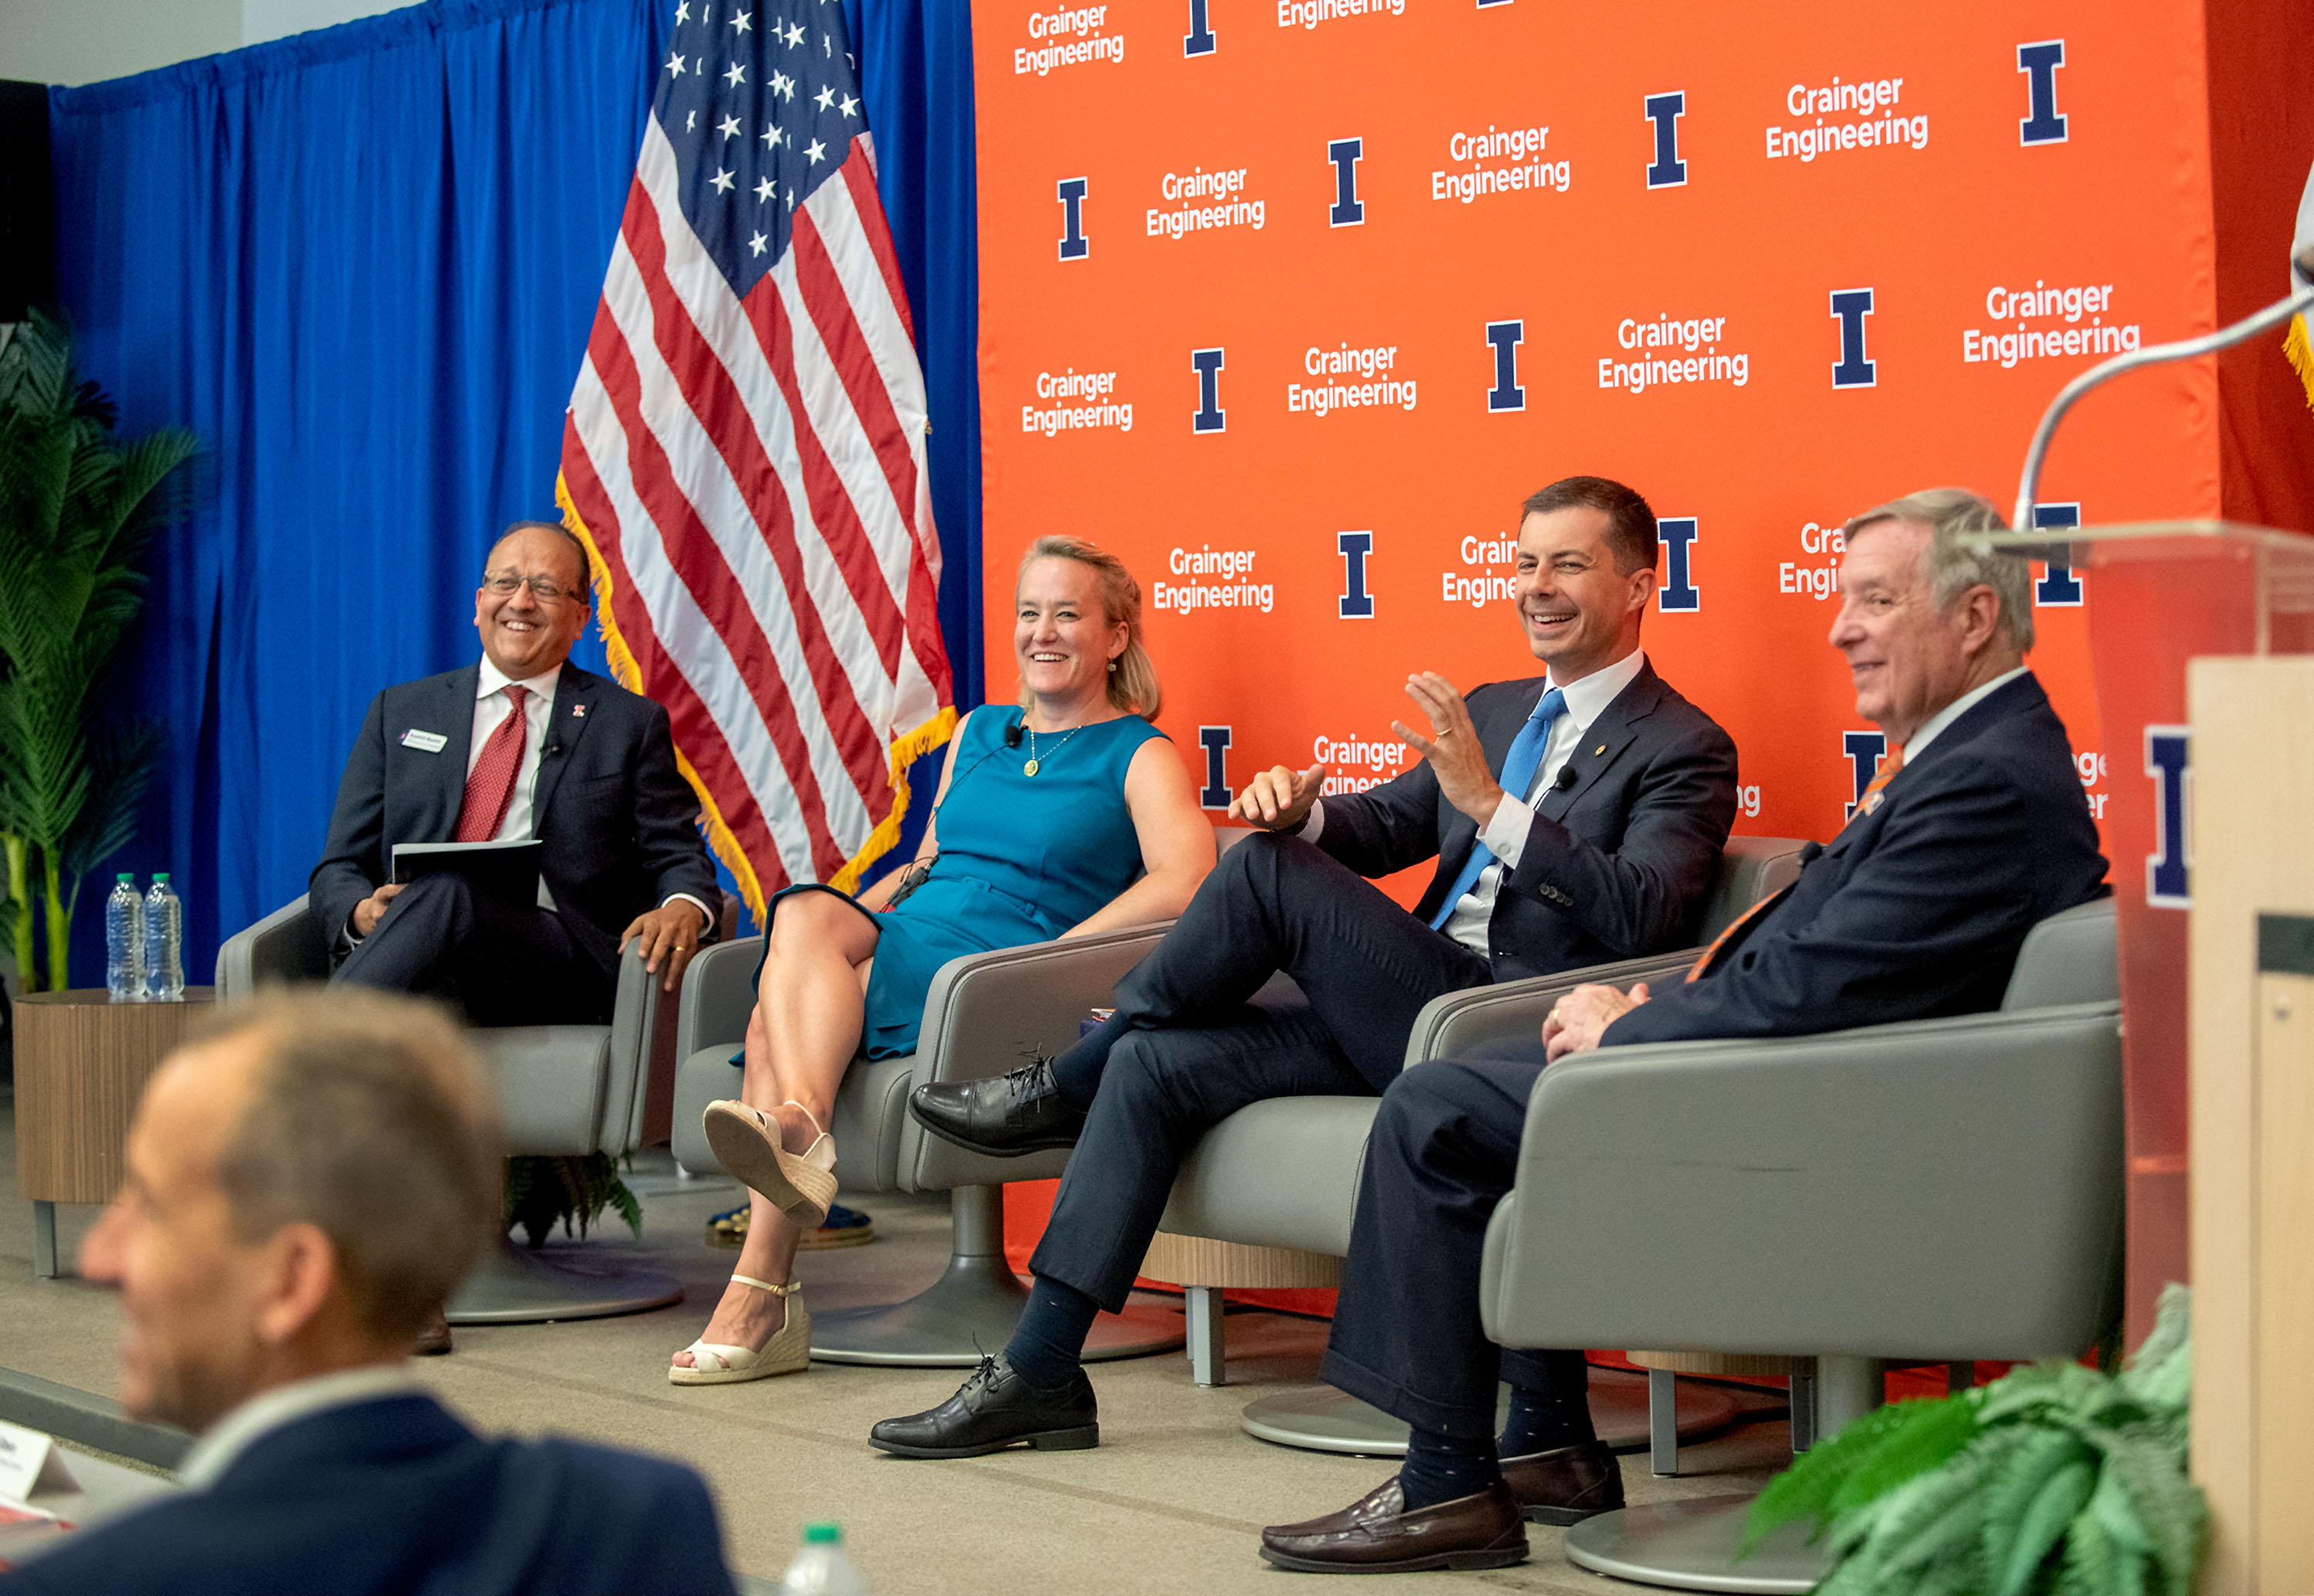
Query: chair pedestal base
<point x="512" y="1285"/>
<point x="1322" y="1419"/>
<point x="969" y="1312"/>
<point x="1691" y="1546"/>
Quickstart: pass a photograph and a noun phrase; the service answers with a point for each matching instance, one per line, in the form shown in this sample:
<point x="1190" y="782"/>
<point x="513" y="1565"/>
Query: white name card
<point x="30" y="1462"/>
<point x="426" y="742"/>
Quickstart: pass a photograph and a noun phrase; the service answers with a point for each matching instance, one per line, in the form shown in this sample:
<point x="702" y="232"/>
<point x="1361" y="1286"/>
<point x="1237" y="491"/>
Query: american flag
<point x="745" y="452"/>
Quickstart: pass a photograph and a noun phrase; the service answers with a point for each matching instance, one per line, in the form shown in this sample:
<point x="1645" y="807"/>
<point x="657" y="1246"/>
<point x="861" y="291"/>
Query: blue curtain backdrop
<point x="361" y="264"/>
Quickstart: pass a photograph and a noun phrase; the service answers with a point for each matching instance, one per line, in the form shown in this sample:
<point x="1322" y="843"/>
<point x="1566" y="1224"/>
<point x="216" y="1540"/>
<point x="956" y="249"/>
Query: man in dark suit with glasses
<point x="522" y="745"/>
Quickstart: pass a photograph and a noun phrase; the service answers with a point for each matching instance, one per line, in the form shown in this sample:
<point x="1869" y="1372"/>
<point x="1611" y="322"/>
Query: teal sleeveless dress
<point x="1022" y="859"/>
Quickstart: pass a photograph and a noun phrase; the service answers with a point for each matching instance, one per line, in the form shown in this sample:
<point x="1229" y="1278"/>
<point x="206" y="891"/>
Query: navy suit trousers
<point x="1187" y="1047"/>
<point x="501" y="963"/>
<point x="1407" y="1335"/>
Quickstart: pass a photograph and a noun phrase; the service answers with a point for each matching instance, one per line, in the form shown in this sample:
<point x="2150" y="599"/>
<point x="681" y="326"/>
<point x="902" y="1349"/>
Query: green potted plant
<point x="77" y="510"/>
<point x="2053" y="1478"/>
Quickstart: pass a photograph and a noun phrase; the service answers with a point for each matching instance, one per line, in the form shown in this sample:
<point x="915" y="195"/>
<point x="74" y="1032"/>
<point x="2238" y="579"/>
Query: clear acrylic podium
<point x="2159" y="593"/>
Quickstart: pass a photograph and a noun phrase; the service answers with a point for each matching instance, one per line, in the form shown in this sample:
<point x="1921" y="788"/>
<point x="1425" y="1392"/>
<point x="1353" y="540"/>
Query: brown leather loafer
<point x="1376" y="1535"/>
<point x="434" y="1340"/>
<point x="1566" y="1485"/>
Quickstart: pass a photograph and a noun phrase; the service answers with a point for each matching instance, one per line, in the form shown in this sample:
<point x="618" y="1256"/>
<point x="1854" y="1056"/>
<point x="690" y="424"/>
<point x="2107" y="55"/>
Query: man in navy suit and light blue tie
<point x="304" y="1189"/>
<point x="1975" y="830"/>
<point x="1576" y="818"/>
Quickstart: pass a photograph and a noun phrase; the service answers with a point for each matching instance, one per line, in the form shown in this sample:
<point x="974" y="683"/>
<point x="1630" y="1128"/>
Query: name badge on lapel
<point x="426" y="742"/>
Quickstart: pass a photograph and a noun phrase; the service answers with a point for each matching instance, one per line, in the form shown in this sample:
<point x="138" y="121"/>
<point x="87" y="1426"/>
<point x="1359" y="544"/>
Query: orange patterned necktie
<point x="1864" y="806"/>
<point x="489" y="787"/>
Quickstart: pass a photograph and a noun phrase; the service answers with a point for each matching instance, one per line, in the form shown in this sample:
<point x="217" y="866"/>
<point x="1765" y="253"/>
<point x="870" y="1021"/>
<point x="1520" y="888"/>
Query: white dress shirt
<point x="1953" y="711"/>
<point x="1506" y="834"/>
<point x="268" y="1411"/>
<point x="492" y="706"/>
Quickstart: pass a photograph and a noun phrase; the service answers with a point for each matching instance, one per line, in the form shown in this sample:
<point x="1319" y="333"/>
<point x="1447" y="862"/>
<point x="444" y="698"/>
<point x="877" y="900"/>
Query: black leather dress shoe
<point x="1376" y="1535"/>
<point x="1005" y="1115"/>
<point x="997" y="1408"/>
<point x="1566" y="1485"/>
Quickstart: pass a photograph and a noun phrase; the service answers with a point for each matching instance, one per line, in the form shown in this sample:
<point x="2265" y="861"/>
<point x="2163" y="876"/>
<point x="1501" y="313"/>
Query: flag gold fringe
<point x="629" y="676"/>
<point x="2299" y="347"/>
<point x="906" y="749"/>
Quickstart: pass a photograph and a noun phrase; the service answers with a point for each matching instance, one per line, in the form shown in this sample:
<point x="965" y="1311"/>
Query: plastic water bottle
<point x="821" y="1568"/>
<point x="124" y="943"/>
<point x="164" y="943"/>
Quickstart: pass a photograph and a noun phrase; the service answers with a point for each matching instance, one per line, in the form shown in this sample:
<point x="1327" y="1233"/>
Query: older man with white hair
<point x="1973" y="829"/>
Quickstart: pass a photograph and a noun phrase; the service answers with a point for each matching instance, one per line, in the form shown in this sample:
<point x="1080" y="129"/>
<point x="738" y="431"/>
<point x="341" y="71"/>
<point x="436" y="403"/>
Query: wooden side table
<point x="82" y="1062"/>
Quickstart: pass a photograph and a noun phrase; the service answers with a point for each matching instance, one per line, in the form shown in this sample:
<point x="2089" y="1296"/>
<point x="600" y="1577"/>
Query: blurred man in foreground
<point x="1973" y="829"/>
<point x="304" y="1188"/>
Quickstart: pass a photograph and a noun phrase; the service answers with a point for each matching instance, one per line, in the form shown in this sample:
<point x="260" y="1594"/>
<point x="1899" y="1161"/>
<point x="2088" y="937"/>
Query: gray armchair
<point x="564" y="1089"/>
<point x="1926" y="1191"/>
<point x="1284" y="1174"/>
<point x="984" y="1014"/>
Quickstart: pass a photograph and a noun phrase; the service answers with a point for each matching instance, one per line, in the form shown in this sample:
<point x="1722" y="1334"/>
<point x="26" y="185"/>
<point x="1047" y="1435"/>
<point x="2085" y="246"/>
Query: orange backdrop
<point x="1302" y="386"/>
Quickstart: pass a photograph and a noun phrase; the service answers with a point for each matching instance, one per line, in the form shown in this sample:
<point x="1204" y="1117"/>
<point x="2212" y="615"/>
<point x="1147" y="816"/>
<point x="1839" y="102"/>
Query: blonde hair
<point x="1133" y="682"/>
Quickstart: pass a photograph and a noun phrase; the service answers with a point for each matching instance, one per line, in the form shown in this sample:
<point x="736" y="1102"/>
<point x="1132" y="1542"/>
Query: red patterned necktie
<point x="490" y="785"/>
<point x="1864" y="806"/>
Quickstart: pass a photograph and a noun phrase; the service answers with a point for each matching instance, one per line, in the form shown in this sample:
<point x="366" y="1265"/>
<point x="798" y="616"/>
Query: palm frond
<point x="121" y="762"/>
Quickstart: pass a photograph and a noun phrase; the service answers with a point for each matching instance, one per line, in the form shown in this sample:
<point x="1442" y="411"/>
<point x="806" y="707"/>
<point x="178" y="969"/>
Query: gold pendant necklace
<point x="1035" y="764"/>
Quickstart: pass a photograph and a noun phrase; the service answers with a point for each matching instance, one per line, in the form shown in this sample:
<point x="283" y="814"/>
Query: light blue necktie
<point x="1518" y="774"/>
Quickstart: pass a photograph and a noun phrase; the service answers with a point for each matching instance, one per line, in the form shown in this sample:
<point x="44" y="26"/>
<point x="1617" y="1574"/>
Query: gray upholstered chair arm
<point x="634" y="1021"/>
<point x="1768" y="1196"/>
<point x="719" y="992"/>
<point x="284" y="946"/>
<point x="991" y="1012"/>
<point x="1451" y="1024"/>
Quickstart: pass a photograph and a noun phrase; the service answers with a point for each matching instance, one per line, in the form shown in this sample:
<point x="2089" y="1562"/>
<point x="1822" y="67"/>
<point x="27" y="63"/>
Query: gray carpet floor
<point x="1173" y="1500"/>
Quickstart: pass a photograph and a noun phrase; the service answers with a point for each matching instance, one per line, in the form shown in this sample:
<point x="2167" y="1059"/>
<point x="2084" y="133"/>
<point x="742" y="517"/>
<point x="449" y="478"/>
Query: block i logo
<point x="1667" y="170"/>
<point x="1199" y="40"/>
<point x="1854" y="369"/>
<point x="2059" y="588"/>
<point x="1074" y="246"/>
<point x="2042" y="123"/>
<point x="1347" y="210"/>
<point x="1679" y="594"/>
<point x="1209" y="416"/>
<point x="1864" y="751"/>
<point x="1355" y="547"/>
<point x="1215" y="741"/>
<point x="2167" y="762"/>
<point x="1504" y="338"/>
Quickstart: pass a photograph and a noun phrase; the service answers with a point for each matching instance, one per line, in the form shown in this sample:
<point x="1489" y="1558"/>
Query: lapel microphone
<point x="1013" y="733"/>
<point x="1566" y="778"/>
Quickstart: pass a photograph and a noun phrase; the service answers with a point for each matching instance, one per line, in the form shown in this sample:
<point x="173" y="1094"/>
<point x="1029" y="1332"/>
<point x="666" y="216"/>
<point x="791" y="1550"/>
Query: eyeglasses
<point x="545" y="589"/>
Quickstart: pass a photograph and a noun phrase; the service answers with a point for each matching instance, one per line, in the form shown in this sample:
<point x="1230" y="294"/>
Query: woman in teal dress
<point x="1046" y="813"/>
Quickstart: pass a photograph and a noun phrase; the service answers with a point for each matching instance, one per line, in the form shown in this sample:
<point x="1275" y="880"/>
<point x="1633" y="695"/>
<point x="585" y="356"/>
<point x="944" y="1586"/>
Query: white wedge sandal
<point x="747" y="1142"/>
<point x="787" y="1351"/>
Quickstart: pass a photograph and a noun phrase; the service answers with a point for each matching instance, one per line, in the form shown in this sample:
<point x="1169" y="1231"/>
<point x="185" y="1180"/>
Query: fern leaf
<point x="2016" y="1547"/>
<point x="2161" y="1374"/>
<point x="1871" y="1455"/>
<point x="2170" y="1515"/>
